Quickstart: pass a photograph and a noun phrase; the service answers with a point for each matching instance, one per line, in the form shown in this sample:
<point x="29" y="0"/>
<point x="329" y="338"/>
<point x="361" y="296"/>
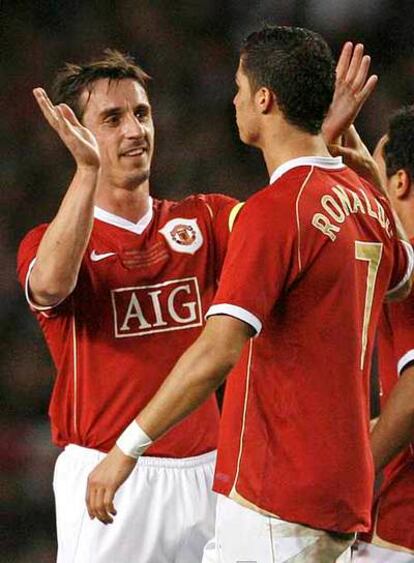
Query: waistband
<point x="149" y="461"/>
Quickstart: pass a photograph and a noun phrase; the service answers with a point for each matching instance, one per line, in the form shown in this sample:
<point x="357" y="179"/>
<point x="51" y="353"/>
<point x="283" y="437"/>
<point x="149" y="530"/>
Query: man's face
<point x="246" y="116"/>
<point x="118" y="113"/>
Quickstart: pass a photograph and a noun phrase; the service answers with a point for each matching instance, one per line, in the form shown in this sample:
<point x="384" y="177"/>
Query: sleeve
<point x="403" y="266"/>
<point x="402" y="250"/>
<point x="401" y="316"/>
<point x="224" y="211"/>
<point x="258" y="264"/>
<point x="26" y="259"/>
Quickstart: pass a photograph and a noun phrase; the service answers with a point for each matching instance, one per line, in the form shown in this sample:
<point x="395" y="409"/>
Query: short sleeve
<point x="258" y="262"/>
<point x="401" y="317"/>
<point x="26" y="258"/>
<point x="403" y="266"/>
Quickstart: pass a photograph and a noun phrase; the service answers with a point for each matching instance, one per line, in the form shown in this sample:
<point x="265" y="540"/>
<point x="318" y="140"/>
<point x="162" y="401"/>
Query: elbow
<point x="48" y="292"/>
<point x="223" y="359"/>
<point x="403" y="292"/>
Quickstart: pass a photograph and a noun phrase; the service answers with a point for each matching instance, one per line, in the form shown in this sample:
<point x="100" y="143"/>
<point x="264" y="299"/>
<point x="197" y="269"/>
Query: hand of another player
<point x="356" y="155"/>
<point x="104" y="481"/>
<point x="352" y="89"/>
<point x="78" y="139"/>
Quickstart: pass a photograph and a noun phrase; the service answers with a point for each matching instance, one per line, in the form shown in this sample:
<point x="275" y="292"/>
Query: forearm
<point x="194" y="378"/>
<point x="395" y="427"/>
<point x="196" y="375"/>
<point x="63" y="245"/>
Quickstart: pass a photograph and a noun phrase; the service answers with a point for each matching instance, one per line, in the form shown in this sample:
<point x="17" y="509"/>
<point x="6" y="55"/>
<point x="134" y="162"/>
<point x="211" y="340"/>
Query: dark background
<point x="190" y="49"/>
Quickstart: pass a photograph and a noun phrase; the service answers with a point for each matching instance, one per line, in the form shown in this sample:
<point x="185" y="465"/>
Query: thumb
<point x="339" y="150"/>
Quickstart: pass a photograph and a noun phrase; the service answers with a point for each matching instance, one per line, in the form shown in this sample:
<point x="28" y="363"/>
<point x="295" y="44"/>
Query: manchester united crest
<point x="183" y="235"/>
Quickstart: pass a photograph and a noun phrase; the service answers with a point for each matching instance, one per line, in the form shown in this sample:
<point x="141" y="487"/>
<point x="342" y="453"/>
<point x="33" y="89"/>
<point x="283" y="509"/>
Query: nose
<point x="133" y="128"/>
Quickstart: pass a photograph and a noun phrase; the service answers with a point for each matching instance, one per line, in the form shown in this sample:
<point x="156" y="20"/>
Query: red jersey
<point x="394" y="510"/>
<point x="309" y="262"/>
<point x="139" y="303"/>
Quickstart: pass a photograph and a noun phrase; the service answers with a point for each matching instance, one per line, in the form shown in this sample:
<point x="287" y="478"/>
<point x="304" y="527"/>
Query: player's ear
<point x="264" y="99"/>
<point x="401" y="183"/>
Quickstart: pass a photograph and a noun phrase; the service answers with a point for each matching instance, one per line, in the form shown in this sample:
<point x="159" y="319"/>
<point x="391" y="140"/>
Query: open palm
<point x="78" y="139"/>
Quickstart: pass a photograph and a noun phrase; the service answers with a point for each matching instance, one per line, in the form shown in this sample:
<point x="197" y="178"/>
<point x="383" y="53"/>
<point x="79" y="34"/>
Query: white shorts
<point x="165" y="510"/>
<point x="245" y="536"/>
<point x="369" y="553"/>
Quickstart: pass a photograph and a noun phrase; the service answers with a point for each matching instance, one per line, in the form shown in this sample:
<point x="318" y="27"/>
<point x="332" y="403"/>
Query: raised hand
<point x="78" y="139"/>
<point x="352" y="89"/>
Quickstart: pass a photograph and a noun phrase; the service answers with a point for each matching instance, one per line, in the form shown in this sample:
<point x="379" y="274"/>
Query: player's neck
<point x="281" y="146"/>
<point x="129" y="204"/>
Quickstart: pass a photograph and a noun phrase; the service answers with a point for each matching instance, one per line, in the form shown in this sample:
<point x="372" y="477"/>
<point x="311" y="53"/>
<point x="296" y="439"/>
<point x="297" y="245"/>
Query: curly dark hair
<point x="298" y="66"/>
<point x="399" y="148"/>
<point x="73" y="79"/>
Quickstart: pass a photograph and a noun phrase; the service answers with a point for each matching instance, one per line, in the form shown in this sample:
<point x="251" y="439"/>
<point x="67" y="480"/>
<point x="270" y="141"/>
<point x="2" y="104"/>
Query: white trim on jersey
<point x="236" y="312"/>
<point x="39" y="308"/>
<point x="137" y="228"/>
<point x="327" y="162"/>
<point x="409" y="271"/>
<point x="404" y="361"/>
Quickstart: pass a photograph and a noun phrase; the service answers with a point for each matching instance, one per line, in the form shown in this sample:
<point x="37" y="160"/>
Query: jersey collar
<point x="327" y="162"/>
<point x="137" y="228"/>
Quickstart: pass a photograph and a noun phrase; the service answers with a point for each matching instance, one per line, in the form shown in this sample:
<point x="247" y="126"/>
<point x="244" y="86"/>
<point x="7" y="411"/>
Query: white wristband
<point x="133" y="441"/>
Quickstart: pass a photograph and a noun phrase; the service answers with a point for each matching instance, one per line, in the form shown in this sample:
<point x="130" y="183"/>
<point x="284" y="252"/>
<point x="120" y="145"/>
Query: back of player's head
<point x="298" y="66"/>
<point x="399" y="148"/>
<point x="73" y="79"/>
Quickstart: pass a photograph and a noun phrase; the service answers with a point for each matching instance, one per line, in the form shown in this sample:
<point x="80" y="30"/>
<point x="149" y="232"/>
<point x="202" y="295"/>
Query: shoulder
<point x="209" y="205"/>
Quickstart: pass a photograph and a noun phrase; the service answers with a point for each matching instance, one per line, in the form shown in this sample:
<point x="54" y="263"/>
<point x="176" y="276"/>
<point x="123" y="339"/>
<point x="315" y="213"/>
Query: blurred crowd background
<point x="190" y="48"/>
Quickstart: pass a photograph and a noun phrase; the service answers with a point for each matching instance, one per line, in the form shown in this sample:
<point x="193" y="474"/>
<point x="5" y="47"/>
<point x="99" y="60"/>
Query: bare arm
<point x="60" y="252"/>
<point x="395" y="427"/>
<point x="201" y="369"/>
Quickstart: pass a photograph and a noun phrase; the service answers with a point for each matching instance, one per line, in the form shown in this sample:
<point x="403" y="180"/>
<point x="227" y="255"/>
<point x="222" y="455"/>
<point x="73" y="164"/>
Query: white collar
<point x="137" y="228"/>
<point x="320" y="161"/>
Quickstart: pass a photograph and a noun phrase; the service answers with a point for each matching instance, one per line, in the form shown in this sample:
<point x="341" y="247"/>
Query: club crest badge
<point x="183" y="235"/>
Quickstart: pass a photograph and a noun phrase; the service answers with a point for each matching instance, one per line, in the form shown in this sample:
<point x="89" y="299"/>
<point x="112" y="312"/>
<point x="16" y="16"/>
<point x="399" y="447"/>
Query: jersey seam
<point x="249" y="368"/>
<point x="297" y="216"/>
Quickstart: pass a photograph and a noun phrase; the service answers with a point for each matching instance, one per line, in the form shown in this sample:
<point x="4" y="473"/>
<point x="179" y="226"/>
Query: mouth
<point x="135" y="151"/>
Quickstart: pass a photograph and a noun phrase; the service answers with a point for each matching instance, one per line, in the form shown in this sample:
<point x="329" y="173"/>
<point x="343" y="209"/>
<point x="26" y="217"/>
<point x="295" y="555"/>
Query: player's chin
<point x="140" y="176"/>
<point x="244" y="136"/>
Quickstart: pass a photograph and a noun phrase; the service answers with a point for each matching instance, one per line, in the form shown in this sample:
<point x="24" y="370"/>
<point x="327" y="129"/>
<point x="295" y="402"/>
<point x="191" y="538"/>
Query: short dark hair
<point x="399" y="148"/>
<point x="298" y="66"/>
<point x="73" y="79"/>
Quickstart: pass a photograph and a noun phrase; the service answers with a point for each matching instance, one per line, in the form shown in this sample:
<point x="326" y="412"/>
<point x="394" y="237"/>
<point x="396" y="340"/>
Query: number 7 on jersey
<point x="370" y="252"/>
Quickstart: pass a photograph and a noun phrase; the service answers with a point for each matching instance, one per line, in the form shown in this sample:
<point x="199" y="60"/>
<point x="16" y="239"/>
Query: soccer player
<point x="120" y="283"/>
<point x="310" y="260"/>
<point x="111" y="293"/>
<point x="391" y="538"/>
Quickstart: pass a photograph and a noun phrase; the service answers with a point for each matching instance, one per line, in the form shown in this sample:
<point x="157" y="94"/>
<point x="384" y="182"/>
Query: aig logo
<point x="172" y="305"/>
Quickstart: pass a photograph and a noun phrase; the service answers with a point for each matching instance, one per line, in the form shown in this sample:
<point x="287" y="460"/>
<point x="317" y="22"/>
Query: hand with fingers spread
<point x="352" y="89"/>
<point x="104" y="481"/>
<point x="78" y="139"/>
